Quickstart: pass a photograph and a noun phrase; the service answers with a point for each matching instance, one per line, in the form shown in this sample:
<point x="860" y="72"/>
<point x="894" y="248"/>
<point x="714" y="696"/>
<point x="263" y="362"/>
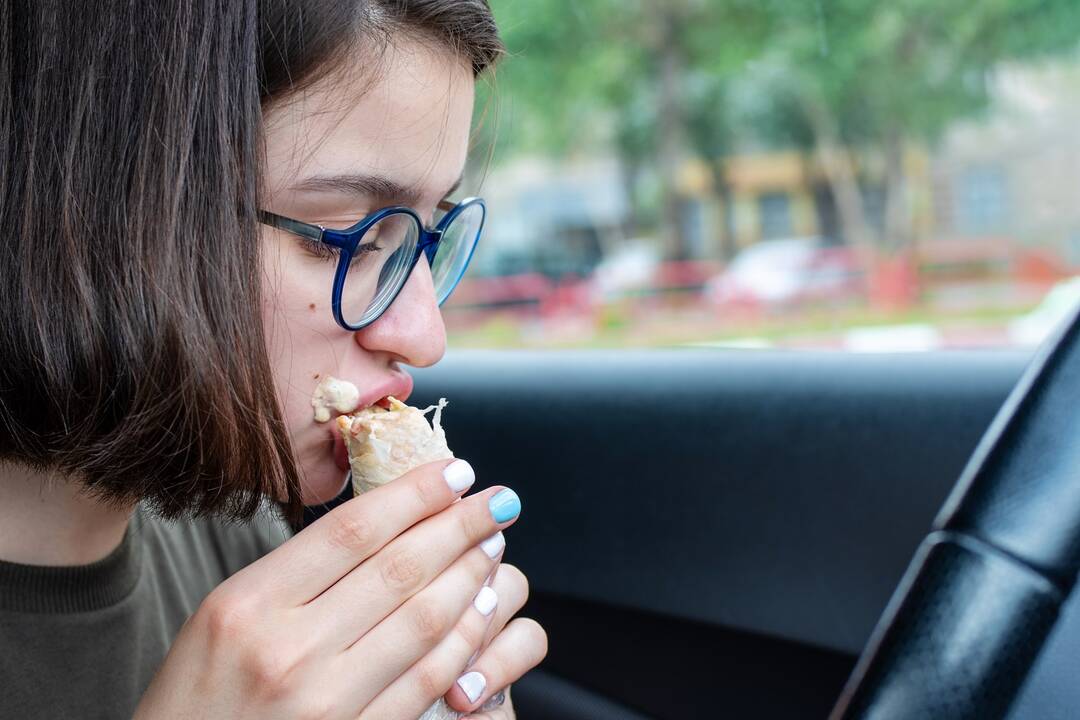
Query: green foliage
<point x="910" y="66"/>
<point x="560" y="77"/>
<point x="658" y="80"/>
<point x="587" y="72"/>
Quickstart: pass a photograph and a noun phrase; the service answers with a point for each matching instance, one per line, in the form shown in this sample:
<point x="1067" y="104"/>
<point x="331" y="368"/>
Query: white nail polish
<point x="459" y="476"/>
<point x="494" y="545"/>
<point x="485" y="601"/>
<point x="473" y="684"/>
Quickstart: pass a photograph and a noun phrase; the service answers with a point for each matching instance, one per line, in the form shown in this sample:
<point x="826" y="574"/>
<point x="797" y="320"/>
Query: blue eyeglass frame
<point x="427" y="243"/>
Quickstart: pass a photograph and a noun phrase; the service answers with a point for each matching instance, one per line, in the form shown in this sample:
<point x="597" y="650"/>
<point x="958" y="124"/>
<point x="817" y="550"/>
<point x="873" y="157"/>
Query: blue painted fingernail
<point x="504" y="505"/>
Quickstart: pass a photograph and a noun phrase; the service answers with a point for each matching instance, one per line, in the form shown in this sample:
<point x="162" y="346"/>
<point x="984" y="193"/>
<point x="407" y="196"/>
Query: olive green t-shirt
<point x="84" y="642"/>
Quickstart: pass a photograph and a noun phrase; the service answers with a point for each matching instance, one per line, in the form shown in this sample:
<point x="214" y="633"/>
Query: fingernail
<point x="504" y="505"/>
<point x="459" y="476"/>
<point x="473" y="685"/>
<point x="494" y="545"/>
<point x="485" y="601"/>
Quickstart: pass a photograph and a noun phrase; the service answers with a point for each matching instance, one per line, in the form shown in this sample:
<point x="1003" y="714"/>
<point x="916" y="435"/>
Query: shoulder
<point x="215" y="546"/>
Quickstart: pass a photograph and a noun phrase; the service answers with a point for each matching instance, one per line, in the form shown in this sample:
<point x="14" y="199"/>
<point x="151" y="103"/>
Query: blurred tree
<point x="849" y="82"/>
<point x="721" y="39"/>
<point x="856" y="80"/>
<point x="614" y="73"/>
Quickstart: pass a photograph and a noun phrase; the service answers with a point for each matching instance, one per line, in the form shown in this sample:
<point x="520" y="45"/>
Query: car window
<point x="850" y="174"/>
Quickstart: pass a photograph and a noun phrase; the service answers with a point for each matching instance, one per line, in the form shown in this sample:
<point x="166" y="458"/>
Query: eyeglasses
<point x="378" y="254"/>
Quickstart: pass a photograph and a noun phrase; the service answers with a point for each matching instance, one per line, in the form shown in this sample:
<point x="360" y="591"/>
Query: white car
<point x="1032" y="329"/>
<point x="779" y="273"/>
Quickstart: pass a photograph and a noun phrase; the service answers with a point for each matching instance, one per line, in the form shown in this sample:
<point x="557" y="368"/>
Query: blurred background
<point x="868" y="175"/>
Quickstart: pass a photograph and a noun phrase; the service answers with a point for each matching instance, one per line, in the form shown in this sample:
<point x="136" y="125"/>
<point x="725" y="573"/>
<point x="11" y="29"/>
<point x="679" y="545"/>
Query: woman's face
<point x="334" y="154"/>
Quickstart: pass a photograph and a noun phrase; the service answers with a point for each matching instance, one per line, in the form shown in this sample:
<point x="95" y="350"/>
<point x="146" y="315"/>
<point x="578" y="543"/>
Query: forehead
<point x="404" y="117"/>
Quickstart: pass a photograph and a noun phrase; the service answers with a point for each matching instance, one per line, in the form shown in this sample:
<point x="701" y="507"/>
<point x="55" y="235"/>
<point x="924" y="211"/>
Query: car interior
<point x="716" y="533"/>
<point x="767" y="332"/>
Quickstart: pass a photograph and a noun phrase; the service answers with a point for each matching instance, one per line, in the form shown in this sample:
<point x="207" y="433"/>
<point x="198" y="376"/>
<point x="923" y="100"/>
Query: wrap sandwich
<point x="384" y="444"/>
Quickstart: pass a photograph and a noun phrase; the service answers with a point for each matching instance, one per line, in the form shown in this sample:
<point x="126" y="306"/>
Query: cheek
<point x="303" y="341"/>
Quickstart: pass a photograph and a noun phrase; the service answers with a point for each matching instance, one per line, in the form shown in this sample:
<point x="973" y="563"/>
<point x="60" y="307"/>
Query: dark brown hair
<point x="132" y="353"/>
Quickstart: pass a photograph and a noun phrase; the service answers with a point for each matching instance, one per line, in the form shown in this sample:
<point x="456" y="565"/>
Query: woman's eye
<point x="364" y="253"/>
<point x="320" y="250"/>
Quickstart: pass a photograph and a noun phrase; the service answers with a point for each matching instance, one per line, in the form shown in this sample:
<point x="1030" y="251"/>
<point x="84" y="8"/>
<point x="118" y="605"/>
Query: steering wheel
<point x="987" y="584"/>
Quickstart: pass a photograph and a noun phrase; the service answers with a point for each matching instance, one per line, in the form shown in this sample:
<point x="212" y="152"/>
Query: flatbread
<point x="383" y="445"/>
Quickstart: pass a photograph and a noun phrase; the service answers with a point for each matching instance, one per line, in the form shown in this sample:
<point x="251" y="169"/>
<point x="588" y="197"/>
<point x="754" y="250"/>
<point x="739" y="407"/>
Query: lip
<point x="399" y="384"/>
<point x="341" y="453"/>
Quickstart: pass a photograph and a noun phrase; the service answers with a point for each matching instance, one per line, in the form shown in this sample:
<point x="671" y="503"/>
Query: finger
<point x="430" y="677"/>
<point x="412" y="630"/>
<point x="408" y="563"/>
<point x="513" y="589"/>
<point x="331" y="547"/>
<point x="516" y="650"/>
<point x="491" y="711"/>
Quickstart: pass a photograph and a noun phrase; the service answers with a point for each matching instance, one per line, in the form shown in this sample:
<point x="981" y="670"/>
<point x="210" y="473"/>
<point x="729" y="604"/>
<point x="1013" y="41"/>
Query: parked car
<point x="1033" y="328"/>
<point x="628" y="270"/>
<point x="637" y="270"/>
<point x="776" y="274"/>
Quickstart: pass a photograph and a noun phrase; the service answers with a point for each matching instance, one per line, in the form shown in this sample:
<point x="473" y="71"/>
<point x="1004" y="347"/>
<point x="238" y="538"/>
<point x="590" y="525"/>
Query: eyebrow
<point x="371" y="186"/>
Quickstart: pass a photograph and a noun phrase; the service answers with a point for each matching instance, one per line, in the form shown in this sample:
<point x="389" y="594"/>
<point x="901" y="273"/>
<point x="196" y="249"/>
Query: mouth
<point x="399" y="386"/>
<point x="341" y="453"/>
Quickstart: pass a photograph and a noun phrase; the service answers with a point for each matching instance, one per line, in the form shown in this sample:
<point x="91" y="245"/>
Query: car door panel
<point x="777" y="493"/>
<point x="715" y="533"/>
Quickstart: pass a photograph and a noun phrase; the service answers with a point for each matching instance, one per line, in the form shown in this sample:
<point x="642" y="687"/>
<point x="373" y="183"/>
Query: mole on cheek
<point x="311" y="306"/>
<point x="315" y="376"/>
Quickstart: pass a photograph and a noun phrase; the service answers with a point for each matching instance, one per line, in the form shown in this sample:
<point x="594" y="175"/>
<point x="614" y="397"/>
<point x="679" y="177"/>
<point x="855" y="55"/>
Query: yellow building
<point x="786" y="194"/>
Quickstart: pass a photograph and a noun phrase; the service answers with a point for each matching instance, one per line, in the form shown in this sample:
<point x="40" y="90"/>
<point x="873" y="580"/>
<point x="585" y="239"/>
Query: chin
<point x="320" y="485"/>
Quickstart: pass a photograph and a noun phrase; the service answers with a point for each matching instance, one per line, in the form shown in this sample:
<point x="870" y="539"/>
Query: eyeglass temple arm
<point x="313" y="232"/>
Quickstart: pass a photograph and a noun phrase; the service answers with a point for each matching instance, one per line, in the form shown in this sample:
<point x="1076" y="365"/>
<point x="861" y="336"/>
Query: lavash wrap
<point x="383" y="445"/>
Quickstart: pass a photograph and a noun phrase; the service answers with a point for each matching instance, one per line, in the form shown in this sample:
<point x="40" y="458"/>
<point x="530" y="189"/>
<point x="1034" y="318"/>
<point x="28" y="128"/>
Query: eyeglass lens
<point x="454" y="250"/>
<point x="383" y="258"/>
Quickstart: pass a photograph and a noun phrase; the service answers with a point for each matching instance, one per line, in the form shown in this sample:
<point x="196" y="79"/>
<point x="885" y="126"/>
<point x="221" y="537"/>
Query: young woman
<point x="168" y="304"/>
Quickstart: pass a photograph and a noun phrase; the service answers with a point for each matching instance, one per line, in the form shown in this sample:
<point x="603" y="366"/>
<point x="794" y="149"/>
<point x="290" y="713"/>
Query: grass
<point x="627" y="325"/>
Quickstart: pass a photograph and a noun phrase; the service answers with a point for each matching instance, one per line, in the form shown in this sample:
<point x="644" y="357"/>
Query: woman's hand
<point x="510" y="650"/>
<point x="369" y="613"/>
<point x="505" y="711"/>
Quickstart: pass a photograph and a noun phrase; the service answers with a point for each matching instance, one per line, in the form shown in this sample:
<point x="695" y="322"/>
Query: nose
<point x="412" y="328"/>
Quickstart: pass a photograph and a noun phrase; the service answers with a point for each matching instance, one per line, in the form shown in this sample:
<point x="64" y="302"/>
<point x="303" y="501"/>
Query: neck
<point x="49" y="520"/>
